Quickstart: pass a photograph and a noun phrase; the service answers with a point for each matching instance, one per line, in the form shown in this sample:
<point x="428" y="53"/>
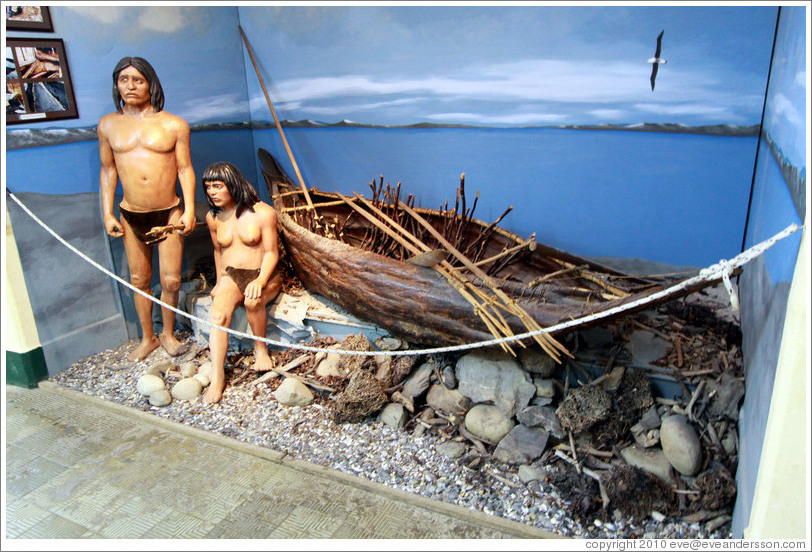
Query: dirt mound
<point x="584" y="407"/>
<point x="636" y="493"/>
<point x="362" y="398"/>
<point x="582" y="493"/>
<point x="717" y="489"/>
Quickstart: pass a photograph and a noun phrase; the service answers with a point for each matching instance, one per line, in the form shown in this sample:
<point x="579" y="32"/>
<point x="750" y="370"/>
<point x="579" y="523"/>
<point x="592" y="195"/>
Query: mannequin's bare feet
<point x="214" y="392"/>
<point x="172" y="346"/>
<point x="143" y="350"/>
<point x="262" y="361"/>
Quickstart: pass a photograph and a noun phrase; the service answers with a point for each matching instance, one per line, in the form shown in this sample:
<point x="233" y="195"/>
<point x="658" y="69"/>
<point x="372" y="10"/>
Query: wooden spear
<point x="278" y="124"/>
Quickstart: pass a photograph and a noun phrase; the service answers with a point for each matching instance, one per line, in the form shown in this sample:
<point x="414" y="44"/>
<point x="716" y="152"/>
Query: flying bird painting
<point x="656" y="60"/>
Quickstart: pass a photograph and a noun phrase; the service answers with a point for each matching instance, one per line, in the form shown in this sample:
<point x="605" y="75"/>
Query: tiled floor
<point x="81" y="467"/>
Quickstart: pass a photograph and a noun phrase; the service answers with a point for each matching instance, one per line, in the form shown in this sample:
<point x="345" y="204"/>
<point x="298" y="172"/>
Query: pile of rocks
<point x="571" y="448"/>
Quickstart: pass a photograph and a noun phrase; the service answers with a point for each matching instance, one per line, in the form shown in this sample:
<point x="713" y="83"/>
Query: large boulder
<point x="495" y="378"/>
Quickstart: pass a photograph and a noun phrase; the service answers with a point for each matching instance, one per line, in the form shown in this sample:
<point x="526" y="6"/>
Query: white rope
<point x="723" y="268"/>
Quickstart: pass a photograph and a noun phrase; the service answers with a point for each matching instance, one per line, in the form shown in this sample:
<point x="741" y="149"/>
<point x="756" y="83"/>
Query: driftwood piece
<point x="276" y="372"/>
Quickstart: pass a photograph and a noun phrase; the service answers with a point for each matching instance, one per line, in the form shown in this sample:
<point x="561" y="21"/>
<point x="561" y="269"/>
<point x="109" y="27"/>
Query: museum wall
<point x="53" y="166"/>
<point x="778" y="200"/>
<point x="605" y="189"/>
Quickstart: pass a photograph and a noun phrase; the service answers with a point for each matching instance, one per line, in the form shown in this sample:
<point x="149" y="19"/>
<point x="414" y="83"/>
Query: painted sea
<point x="595" y="193"/>
<point x="668" y="197"/>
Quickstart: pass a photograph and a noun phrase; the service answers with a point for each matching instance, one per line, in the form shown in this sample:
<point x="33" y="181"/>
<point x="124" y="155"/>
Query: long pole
<point x="276" y="120"/>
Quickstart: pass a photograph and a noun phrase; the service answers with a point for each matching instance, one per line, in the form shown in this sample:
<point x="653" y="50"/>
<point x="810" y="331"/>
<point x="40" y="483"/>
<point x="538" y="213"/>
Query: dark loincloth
<point x="242" y="276"/>
<point x="143" y="221"/>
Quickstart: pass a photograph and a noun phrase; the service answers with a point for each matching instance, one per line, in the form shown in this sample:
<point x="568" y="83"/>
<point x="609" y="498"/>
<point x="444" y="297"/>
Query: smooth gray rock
<point x="419" y="380"/>
<point x="447" y="400"/>
<point x="450" y="449"/>
<point x="393" y="415"/>
<point x="543" y="417"/>
<point x="149" y="383"/>
<point x="681" y="444"/>
<point x="650" y="460"/>
<point x="187" y="389"/>
<point x="449" y="379"/>
<point x="487" y="422"/>
<point x="292" y="392"/>
<point x="160" y="397"/>
<point x="495" y="378"/>
<point x="522" y="445"/>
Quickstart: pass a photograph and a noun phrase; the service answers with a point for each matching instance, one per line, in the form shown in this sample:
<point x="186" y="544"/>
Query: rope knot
<point x="727" y="268"/>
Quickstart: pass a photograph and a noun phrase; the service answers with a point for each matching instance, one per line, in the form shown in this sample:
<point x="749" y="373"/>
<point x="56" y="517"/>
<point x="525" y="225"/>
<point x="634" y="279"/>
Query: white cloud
<point x="782" y="107"/>
<point x="165" y="19"/>
<point x="800" y="78"/>
<point x="226" y="106"/>
<point x="529" y="80"/>
<point x="512" y="119"/>
<point x="614" y="114"/>
<point x="685" y="109"/>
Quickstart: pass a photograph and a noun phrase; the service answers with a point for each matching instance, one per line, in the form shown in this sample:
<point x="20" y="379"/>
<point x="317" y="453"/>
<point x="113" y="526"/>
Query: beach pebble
<point x="161" y="397"/>
<point x="292" y="392"/>
<point x="393" y="415"/>
<point x="204" y="381"/>
<point x="450" y="449"/>
<point x="187" y="388"/>
<point x="681" y="444"/>
<point x="149" y="383"/>
<point x="205" y="369"/>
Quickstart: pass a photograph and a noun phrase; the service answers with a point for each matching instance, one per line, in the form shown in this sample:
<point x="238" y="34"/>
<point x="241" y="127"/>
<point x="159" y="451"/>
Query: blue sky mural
<point x="512" y="66"/>
<point x="400" y="65"/>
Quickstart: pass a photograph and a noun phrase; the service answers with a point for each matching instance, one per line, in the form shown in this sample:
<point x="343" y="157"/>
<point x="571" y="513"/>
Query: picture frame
<point x="28" y="18"/>
<point x="38" y="82"/>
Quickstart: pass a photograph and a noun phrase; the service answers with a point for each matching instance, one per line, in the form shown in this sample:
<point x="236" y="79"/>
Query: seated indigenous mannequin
<point x="246" y="251"/>
<point x="148" y="149"/>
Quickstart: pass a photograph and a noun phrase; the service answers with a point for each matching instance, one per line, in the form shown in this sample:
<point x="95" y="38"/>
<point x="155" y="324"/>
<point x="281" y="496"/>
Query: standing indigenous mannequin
<point x="246" y="252"/>
<point x="148" y="149"/>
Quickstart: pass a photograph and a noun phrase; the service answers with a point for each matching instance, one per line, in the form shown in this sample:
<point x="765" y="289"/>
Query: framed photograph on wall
<point x="38" y="84"/>
<point x="28" y="18"/>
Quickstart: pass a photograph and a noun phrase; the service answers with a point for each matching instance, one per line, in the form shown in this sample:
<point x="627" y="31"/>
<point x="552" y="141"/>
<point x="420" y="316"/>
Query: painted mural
<point x="549" y="109"/>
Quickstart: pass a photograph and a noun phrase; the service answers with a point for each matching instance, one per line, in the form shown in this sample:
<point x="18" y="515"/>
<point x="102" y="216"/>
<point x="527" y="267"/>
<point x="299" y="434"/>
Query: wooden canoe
<point x="417" y="303"/>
